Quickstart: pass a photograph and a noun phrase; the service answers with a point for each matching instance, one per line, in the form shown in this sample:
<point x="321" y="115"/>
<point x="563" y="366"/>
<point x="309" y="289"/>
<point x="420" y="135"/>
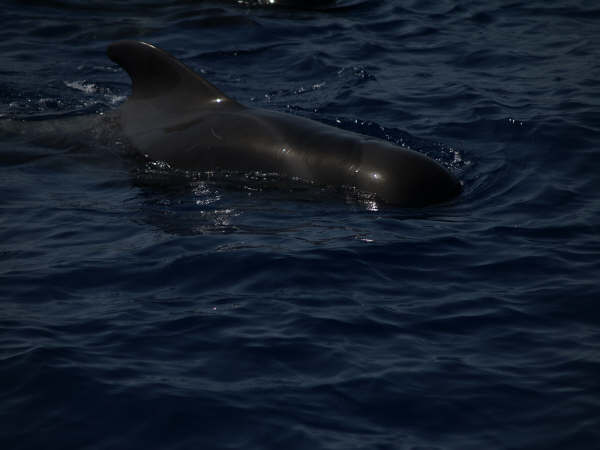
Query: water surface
<point x="146" y="308"/>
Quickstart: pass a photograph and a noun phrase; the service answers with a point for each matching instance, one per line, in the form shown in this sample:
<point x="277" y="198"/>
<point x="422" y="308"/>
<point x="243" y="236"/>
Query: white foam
<point x="83" y="86"/>
<point x="114" y="99"/>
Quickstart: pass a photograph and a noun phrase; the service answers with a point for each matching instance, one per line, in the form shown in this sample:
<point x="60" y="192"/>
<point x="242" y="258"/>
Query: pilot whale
<point x="176" y="116"/>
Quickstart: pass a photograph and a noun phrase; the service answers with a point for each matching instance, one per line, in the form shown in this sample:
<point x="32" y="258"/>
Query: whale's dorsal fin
<point x="155" y="73"/>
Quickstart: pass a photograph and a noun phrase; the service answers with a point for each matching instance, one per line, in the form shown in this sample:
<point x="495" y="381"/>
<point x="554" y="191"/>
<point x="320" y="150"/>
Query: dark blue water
<point x="143" y="308"/>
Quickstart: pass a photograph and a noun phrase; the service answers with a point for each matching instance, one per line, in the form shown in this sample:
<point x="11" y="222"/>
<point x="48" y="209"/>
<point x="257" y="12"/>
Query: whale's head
<point x="405" y="177"/>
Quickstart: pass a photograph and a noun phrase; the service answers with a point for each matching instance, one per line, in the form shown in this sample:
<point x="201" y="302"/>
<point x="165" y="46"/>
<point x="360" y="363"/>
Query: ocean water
<point x="146" y="308"/>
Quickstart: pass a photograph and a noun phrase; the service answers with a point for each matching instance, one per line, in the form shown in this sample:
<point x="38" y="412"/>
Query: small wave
<point x="83" y="86"/>
<point x="116" y="99"/>
<point x="297" y="4"/>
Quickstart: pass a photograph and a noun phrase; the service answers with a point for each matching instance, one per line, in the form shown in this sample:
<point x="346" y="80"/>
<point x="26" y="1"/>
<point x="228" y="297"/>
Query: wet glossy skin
<point x="175" y="116"/>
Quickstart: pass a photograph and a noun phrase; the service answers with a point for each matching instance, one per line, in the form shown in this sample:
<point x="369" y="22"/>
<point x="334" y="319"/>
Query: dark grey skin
<point x="176" y="116"/>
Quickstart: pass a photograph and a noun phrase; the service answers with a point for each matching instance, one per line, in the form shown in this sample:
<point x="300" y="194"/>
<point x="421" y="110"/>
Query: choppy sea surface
<point x="144" y="308"/>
